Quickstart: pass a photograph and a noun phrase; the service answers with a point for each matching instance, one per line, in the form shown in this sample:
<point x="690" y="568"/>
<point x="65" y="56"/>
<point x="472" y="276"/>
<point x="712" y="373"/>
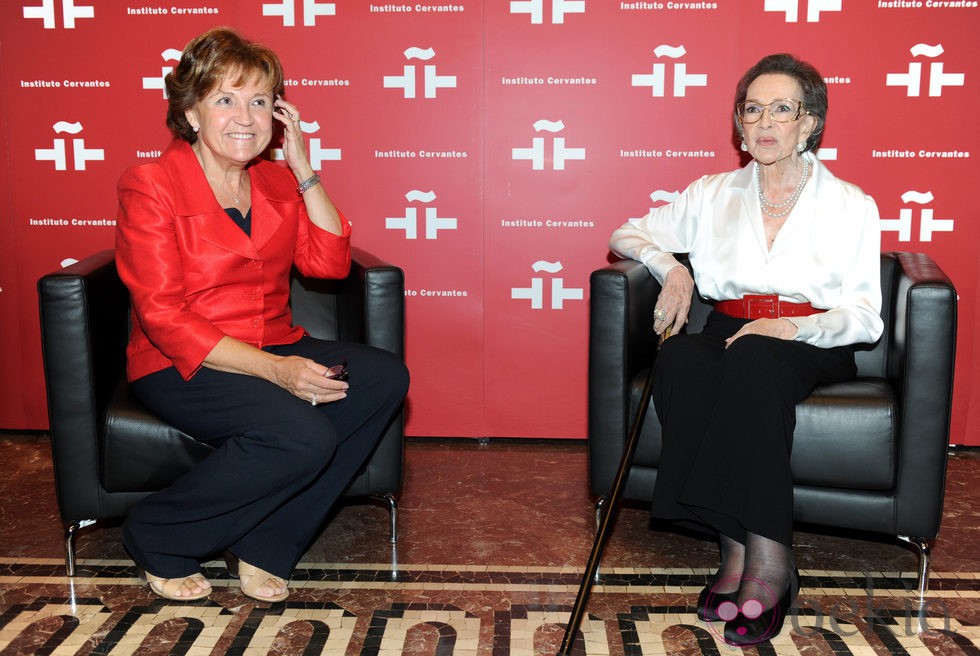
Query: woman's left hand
<point x="293" y="144"/>
<point x="779" y="328"/>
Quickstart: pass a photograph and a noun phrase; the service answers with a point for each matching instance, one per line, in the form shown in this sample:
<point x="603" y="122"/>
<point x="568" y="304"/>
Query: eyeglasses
<point x="338" y="371"/>
<point x="783" y="110"/>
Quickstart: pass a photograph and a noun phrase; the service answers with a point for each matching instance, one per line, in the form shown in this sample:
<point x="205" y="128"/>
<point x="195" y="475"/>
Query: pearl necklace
<point x="779" y="210"/>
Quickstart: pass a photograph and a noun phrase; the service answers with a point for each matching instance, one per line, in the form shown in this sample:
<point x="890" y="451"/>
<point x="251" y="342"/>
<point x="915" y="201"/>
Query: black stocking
<point x="732" y="562"/>
<point x="769" y="571"/>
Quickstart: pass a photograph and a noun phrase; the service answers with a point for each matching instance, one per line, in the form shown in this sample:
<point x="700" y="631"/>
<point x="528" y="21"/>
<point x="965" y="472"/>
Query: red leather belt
<point x="764" y="306"/>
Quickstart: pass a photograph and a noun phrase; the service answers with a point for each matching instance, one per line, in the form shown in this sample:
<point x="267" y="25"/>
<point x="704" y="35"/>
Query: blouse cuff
<point x="659" y="263"/>
<point x="806" y="329"/>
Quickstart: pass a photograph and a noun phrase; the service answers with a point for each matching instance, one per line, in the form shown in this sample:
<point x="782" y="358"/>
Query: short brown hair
<point x="204" y="63"/>
<point x="810" y="81"/>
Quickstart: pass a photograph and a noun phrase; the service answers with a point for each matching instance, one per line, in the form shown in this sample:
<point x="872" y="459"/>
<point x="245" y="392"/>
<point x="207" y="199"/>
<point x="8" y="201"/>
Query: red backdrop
<point x="489" y="147"/>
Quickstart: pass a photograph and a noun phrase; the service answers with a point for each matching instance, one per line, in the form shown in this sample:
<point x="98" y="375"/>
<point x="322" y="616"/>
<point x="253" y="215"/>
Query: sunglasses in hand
<point x="338" y="371"/>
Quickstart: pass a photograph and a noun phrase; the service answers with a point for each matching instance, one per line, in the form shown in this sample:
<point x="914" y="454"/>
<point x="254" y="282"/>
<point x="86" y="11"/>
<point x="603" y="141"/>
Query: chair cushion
<point x="141" y="453"/>
<point x="845" y="435"/>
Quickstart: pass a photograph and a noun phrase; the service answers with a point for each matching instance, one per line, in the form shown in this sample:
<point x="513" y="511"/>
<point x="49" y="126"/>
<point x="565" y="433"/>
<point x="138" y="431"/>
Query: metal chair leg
<point x="392" y="513"/>
<point x="600" y="506"/>
<point x="922" y="547"/>
<point x="71" y="528"/>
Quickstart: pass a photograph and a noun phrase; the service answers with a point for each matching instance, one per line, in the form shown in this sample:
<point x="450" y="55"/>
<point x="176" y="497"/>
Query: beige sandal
<point x="251" y="579"/>
<point x="169" y="588"/>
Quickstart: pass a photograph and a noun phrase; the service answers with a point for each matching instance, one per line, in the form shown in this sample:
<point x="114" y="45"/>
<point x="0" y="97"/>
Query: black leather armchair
<point x="110" y="451"/>
<point x="868" y="455"/>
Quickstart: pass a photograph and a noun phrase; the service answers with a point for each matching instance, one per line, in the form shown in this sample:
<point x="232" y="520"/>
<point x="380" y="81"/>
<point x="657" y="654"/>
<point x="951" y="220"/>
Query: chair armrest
<point x="380" y="298"/>
<point x="368" y="306"/>
<point x="371" y="308"/>
<point x="621" y="343"/>
<point x="921" y="366"/>
<point x="84" y="314"/>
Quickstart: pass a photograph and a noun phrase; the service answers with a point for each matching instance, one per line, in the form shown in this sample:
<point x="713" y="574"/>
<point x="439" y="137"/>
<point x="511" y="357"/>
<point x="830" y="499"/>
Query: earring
<point x="800" y="147"/>
<point x="744" y="147"/>
<point x="196" y="129"/>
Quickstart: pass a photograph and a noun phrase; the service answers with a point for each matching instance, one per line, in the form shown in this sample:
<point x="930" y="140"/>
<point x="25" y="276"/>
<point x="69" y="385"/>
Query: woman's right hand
<point x="299" y="376"/>
<point x="308" y="380"/>
<point x="674" y="301"/>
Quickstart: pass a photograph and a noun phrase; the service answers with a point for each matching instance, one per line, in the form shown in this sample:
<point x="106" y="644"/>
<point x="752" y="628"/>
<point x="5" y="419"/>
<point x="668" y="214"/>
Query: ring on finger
<point x="313" y="400"/>
<point x="660" y="314"/>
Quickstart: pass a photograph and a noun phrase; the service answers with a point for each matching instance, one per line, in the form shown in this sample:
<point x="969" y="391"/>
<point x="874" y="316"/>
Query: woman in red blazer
<point x="205" y="242"/>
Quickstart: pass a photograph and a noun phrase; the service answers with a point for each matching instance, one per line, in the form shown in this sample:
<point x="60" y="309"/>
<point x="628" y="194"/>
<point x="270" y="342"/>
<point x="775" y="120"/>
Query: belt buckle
<point x="761" y="306"/>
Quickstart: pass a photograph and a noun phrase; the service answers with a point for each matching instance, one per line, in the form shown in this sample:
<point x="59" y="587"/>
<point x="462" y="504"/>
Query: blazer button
<point x="256" y="322"/>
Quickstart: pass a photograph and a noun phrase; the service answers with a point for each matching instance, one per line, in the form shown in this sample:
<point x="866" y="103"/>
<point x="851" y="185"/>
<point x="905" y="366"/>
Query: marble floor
<point x="492" y="540"/>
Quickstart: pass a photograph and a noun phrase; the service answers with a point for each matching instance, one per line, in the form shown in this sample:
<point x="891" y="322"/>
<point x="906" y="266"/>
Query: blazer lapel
<point x="194" y="201"/>
<point x="269" y="194"/>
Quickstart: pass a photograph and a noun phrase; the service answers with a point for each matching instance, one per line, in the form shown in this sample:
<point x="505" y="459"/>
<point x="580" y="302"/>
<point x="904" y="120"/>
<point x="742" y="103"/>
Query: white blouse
<point x="827" y="252"/>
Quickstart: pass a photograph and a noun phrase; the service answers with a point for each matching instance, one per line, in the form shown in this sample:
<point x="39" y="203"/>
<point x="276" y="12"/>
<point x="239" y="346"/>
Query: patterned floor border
<point x="384" y="610"/>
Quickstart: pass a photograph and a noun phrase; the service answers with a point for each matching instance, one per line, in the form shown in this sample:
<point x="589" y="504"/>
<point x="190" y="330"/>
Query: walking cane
<point x="615" y="495"/>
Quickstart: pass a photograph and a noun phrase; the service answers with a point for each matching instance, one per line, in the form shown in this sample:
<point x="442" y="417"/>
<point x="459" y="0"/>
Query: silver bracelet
<point x="309" y="183"/>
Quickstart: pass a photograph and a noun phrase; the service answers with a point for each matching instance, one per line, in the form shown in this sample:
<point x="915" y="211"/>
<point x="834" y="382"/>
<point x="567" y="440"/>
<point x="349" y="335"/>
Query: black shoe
<point x="709" y="601"/>
<point x="742" y="631"/>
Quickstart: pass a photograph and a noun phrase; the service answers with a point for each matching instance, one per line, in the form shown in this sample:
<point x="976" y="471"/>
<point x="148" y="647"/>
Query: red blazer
<point x="194" y="276"/>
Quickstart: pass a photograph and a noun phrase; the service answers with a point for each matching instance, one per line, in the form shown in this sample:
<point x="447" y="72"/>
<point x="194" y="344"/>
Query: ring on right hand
<point x="660" y="314"/>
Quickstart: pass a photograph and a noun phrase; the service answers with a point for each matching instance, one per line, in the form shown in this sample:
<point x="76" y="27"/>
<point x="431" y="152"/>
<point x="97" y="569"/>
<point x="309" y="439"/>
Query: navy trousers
<point x="279" y="466"/>
<point x="728" y="417"/>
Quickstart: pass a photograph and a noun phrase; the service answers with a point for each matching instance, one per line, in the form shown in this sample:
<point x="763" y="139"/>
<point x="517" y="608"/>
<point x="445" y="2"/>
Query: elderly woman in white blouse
<point x="790" y="256"/>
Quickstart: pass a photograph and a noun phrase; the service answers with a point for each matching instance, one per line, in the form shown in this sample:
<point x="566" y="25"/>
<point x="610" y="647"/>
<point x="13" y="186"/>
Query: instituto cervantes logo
<point x="928" y="223"/>
<point x="559" y="8"/>
<point x="49" y="15"/>
<point x="156" y="82"/>
<point x="658" y="196"/>
<point x="433" y="223"/>
<point x="431" y="80"/>
<point x="58" y="153"/>
<point x="657" y="79"/>
<point x="938" y="78"/>
<point x="310" y="10"/>
<point x="559" y="293"/>
<point x="813" y="8"/>
<point x="314" y="147"/>
<point x="560" y="153"/>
